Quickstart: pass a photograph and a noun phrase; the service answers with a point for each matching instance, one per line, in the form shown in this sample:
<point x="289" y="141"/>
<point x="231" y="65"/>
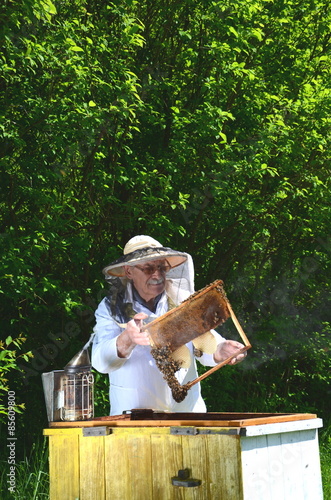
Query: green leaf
<point x="75" y="48"/>
<point x="232" y="30"/>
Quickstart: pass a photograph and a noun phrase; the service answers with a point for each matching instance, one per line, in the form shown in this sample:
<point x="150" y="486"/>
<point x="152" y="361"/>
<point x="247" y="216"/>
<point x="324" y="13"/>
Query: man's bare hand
<point x="132" y="336"/>
<point x="227" y="349"/>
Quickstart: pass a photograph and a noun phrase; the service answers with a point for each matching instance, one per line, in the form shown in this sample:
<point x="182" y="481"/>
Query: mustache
<point x="155" y="281"/>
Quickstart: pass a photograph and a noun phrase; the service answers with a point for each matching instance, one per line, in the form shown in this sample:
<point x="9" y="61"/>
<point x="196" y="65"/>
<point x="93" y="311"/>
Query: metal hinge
<point x="193" y="431"/>
<point x="96" y="431"/>
<point x="184" y="431"/>
<point x="223" y="431"/>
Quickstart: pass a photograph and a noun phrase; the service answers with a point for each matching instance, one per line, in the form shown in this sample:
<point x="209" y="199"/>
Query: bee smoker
<point x="77" y="383"/>
<point x="69" y="393"/>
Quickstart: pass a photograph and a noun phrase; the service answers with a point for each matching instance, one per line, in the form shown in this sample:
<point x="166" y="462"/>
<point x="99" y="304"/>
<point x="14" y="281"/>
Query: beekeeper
<point x="145" y="283"/>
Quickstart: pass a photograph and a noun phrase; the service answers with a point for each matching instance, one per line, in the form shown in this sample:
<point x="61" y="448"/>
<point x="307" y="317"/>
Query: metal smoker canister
<point x="78" y="384"/>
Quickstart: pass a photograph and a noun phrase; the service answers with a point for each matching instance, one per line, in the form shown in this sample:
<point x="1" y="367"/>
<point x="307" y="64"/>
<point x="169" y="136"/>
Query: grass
<point x="325" y="455"/>
<point x="31" y="476"/>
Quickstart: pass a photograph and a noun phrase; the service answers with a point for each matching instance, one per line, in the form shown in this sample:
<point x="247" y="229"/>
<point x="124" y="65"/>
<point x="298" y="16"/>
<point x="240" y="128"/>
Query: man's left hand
<point x="227" y="349"/>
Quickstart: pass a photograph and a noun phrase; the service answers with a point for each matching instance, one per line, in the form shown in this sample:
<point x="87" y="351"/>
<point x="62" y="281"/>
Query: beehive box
<point x="186" y="456"/>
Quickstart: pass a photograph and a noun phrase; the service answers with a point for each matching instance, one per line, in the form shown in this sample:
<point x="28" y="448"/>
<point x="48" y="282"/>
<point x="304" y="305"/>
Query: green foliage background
<point x="205" y="124"/>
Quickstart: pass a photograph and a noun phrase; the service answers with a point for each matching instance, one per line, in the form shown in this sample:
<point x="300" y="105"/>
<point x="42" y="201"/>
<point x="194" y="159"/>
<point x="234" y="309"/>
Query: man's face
<point x="148" y="278"/>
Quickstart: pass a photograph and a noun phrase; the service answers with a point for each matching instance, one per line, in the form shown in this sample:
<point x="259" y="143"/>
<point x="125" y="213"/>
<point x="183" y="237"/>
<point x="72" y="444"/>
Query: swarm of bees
<point x="168" y="367"/>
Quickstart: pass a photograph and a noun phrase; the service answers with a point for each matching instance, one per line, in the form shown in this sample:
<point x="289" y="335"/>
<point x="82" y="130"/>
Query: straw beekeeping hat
<point x="142" y="249"/>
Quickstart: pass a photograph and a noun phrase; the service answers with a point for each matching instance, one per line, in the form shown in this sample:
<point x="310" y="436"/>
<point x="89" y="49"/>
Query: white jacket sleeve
<point x="208" y="359"/>
<point x="104" y="351"/>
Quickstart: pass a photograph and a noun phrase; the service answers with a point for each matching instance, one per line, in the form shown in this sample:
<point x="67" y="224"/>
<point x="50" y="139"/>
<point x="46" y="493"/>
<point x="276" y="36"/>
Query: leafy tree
<point x="205" y="124"/>
<point x="9" y="359"/>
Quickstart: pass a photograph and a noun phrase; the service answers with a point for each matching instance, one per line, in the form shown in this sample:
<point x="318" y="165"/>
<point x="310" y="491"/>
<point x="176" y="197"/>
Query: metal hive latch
<point x="183" y="479"/>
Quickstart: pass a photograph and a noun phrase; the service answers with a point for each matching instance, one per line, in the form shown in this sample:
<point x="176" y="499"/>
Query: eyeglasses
<point x="149" y="269"/>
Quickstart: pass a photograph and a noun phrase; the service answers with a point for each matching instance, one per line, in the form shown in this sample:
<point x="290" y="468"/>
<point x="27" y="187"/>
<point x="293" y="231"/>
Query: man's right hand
<point x="132" y="336"/>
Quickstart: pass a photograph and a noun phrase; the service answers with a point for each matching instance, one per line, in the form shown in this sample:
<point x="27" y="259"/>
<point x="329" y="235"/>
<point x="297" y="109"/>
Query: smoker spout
<point x="79" y="363"/>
